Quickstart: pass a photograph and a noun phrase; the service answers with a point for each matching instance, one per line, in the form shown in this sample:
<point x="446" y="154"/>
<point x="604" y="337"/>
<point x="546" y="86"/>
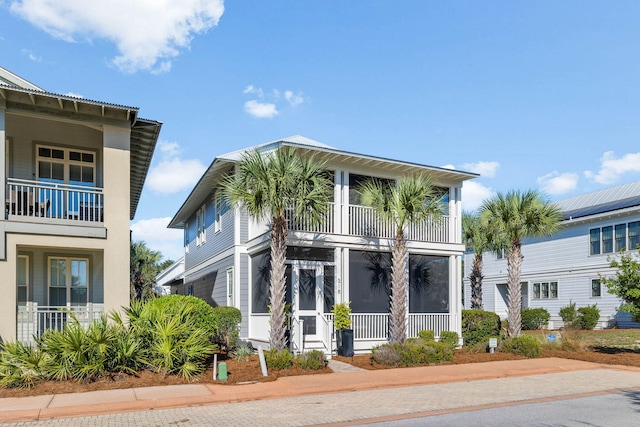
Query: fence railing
<point x="33" y="320"/>
<point x="375" y="326"/>
<point x="25" y="198"/>
<point x="305" y="222"/>
<point x="365" y="221"/>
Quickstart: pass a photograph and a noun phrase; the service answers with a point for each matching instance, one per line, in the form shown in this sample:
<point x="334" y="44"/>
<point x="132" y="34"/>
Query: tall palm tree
<point x="144" y="267"/>
<point x="512" y="217"/>
<point x="475" y="235"/>
<point x="411" y="201"/>
<point x="266" y="186"/>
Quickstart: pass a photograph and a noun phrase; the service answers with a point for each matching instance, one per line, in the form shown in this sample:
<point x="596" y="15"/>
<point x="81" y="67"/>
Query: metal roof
<point x="322" y="153"/>
<point x="598" y="202"/>
<point x="22" y="97"/>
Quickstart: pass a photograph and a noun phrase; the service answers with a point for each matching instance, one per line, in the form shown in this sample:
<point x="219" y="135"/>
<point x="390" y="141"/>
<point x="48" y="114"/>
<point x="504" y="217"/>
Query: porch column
<point x="337" y="201"/>
<point x="117" y="188"/>
<point x="455" y="297"/>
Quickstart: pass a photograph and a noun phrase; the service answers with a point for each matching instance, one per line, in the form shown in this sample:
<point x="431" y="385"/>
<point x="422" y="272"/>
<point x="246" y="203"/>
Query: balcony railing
<point x="33" y="319"/>
<point x="36" y="199"/>
<point x="365" y="221"/>
<point x="305" y="223"/>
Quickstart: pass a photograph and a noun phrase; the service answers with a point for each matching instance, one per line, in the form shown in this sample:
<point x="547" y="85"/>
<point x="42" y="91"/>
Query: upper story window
<point x="186" y="237"/>
<point x="614" y="238"/>
<point x="67" y="166"/>
<point x="217" y="201"/>
<point x="201" y="227"/>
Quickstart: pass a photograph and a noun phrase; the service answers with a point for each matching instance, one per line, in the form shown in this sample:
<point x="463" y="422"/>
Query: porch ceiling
<point x="144" y="133"/>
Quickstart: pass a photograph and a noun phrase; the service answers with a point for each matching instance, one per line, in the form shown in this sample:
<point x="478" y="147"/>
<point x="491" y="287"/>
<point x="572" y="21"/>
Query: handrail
<point x="327" y="339"/>
<point x="297" y="339"/>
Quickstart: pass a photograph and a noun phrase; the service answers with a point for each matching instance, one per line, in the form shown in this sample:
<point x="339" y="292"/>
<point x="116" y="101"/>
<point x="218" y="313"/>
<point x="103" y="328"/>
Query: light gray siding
<point x="215" y="242"/>
<point x="563" y="258"/>
<point x="210" y="284"/>
<point x="243" y="288"/>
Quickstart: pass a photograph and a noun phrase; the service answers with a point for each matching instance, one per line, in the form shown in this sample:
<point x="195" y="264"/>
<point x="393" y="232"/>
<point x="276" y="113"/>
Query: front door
<point x="307" y="296"/>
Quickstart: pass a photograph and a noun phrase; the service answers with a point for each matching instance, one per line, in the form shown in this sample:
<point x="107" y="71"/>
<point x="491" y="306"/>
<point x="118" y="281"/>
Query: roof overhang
<point x="330" y="156"/>
<point x="28" y="101"/>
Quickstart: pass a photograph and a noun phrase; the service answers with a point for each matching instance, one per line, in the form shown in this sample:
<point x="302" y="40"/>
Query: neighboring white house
<point x="74" y="170"/>
<point x="567" y="266"/>
<point x="347" y="258"/>
<point x="169" y="277"/>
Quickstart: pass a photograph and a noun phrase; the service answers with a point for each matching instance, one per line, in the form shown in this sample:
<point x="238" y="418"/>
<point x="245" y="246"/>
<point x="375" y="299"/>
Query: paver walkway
<point x="331" y="398"/>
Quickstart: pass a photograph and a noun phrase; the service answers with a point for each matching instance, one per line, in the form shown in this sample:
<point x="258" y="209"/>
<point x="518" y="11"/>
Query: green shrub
<point x="227" y="327"/>
<point x="450" y="338"/>
<point x="524" y="345"/>
<point x="242" y="352"/>
<point x="413" y="353"/>
<point x="427" y="335"/>
<point x="588" y="317"/>
<point x="341" y="316"/>
<point x="479" y="325"/>
<point x="313" y="360"/>
<point x="278" y="359"/>
<point x="20" y="366"/>
<point x="534" y="318"/>
<point x="569" y="315"/>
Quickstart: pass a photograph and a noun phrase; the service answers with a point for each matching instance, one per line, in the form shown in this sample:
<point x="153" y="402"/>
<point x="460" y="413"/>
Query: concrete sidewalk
<point x="193" y="395"/>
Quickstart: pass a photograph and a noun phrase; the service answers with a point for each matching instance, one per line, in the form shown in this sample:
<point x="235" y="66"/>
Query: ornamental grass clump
<point x="278" y="359"/>
<point x="412" y="353"/>
<point x="311" y="360"/>
<point x="523" y="345"/>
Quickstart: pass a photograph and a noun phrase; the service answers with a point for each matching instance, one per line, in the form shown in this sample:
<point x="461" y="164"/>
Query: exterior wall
<point x="210" y="284"/>
<point x="562" y="258"/>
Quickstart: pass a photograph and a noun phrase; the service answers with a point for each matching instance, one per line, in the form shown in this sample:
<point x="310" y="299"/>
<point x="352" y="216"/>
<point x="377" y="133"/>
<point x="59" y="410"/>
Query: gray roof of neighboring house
<point x="20" y="94"/>
<point x="322" y="153"/>
<point x="601" y="201"/>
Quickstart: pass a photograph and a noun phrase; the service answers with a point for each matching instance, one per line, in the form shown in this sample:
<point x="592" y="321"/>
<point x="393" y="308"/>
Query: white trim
<point x="231" y="287"/>
<point x="27" y="277"/>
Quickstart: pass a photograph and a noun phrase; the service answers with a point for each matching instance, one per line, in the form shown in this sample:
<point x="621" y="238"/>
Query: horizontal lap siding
<point x="215" y="242"/>
<point x="243" y="288"/>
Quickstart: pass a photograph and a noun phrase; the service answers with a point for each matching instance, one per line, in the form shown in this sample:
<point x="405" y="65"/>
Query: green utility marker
<point x="222" y="371"/>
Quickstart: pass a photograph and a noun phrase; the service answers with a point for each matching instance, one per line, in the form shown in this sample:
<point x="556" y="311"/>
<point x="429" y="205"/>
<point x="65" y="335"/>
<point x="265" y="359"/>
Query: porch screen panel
<point x="307" y="289"/>
<point x="329" y="288"/>
<point x="260" y="276"/>
<point x="57" y="282"/>
<point x="369" y="281"/>
<point x="428" y="284"/>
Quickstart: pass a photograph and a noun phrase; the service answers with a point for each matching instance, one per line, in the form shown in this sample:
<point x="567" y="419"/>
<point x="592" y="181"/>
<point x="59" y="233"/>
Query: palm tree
<point x="411" y="201"/>
<point x="144" y="267"/>
<point x="266" y="186"/>
<point x="476" y="237"/>
<point x="511" y="218"/>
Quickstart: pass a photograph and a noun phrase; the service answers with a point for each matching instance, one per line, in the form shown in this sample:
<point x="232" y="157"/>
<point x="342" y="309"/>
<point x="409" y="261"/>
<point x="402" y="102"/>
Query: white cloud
<point x="611" y="168"/>
<point x="556" y="183"/>
<point x="294" y="99"/>
<point x="157" y="236"/>
<point x="32" y="56"/>
<point x="173" y="174"/>
<point x="260" y="110"/>
<point x="251" y="89"/>
<point x="75" y="95"/>
<point x="147" y="34"/>
<point x="486" y="169"/>
<point x="449" y="166"/>
<point x="473" y="194"/>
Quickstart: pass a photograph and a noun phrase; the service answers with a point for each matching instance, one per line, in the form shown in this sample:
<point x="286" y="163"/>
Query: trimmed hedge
<point x="479" y="325"/>
<point x="227" y="327"/>
<point x="412" y="353"/>
<point x="588" y="317"/>
<point x="449" y="337"/>
<point x="534" y="318"/>
<point x="524" y="345"/>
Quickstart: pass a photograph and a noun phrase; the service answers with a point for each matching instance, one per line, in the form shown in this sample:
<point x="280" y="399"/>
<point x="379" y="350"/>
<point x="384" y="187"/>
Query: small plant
<point x="479" y="325"/>
<point x="278" y="359"/>
<point x="569" y="315"/>
<point x="534" y="318"/>
<point x="412" y="353"/>
<point x="227" y="327"/>
<point x="242" y="352"/>
<point x="313" y="360"/>
<point x="524" y="345"/>
<point x="341" y="315"/>
<point x="572" y="341"/>
<point x="588" y="317"/>
<point x="427" y="335"/>
<point x="450" y="338"/>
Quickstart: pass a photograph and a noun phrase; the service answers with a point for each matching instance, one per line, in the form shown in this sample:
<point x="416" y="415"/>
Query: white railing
<point x="364" y="221"/>
<point x="25" y="198"/>
<point x="375" y="326"/>
<point x="305" y="223"/>
<point x="327" y="332"/>
<point x="297" y="336"/>
<point x="33" y="320"/>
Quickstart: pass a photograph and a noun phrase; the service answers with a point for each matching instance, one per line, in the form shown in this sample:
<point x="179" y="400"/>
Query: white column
<point x="3" y="157"/>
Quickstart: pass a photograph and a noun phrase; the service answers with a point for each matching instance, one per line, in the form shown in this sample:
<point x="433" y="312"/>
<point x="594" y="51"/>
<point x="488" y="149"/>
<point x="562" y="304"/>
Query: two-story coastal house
<point x="347" y="258"/>
<point x="73" y="171"/>
<point x="567" y="266"/>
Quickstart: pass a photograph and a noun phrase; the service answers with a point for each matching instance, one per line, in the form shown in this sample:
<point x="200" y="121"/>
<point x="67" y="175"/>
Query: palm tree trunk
<point x="277" y="283"/>
<point x="514" y="289"/>
<point x="398" y="306"/>
<point x="476" y="283"/>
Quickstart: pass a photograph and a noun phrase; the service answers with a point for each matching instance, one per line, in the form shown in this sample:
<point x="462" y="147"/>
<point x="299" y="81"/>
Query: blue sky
<point x="541" y="95"/>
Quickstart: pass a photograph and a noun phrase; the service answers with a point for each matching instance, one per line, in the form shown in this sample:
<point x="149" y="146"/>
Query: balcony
<point x="53" y="202"/>
<point x="363" y="221"/>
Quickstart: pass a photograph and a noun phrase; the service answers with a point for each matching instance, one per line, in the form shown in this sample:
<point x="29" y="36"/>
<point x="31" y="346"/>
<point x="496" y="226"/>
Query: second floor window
<point x="614" y="238"/>
<point x="217" y="226"/>
<point x="201" y="227"/>
<point x="67" y="166"/>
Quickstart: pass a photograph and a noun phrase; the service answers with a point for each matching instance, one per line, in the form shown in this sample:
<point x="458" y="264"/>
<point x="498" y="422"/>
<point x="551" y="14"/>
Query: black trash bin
<point x="345" y="342"/>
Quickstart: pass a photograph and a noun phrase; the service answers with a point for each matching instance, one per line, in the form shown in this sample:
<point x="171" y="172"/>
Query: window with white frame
<point x="68" y="280"/>
<point x="545" y="290"/>
<point x="201" y="227"/>
<point x="230" y="288"/>
<point x="218" y="207"/>
<point x="65" y="165"/>
<point x="186" y="237"/>
<point x="596" y="288"/>
<point x="22" y="276"/>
